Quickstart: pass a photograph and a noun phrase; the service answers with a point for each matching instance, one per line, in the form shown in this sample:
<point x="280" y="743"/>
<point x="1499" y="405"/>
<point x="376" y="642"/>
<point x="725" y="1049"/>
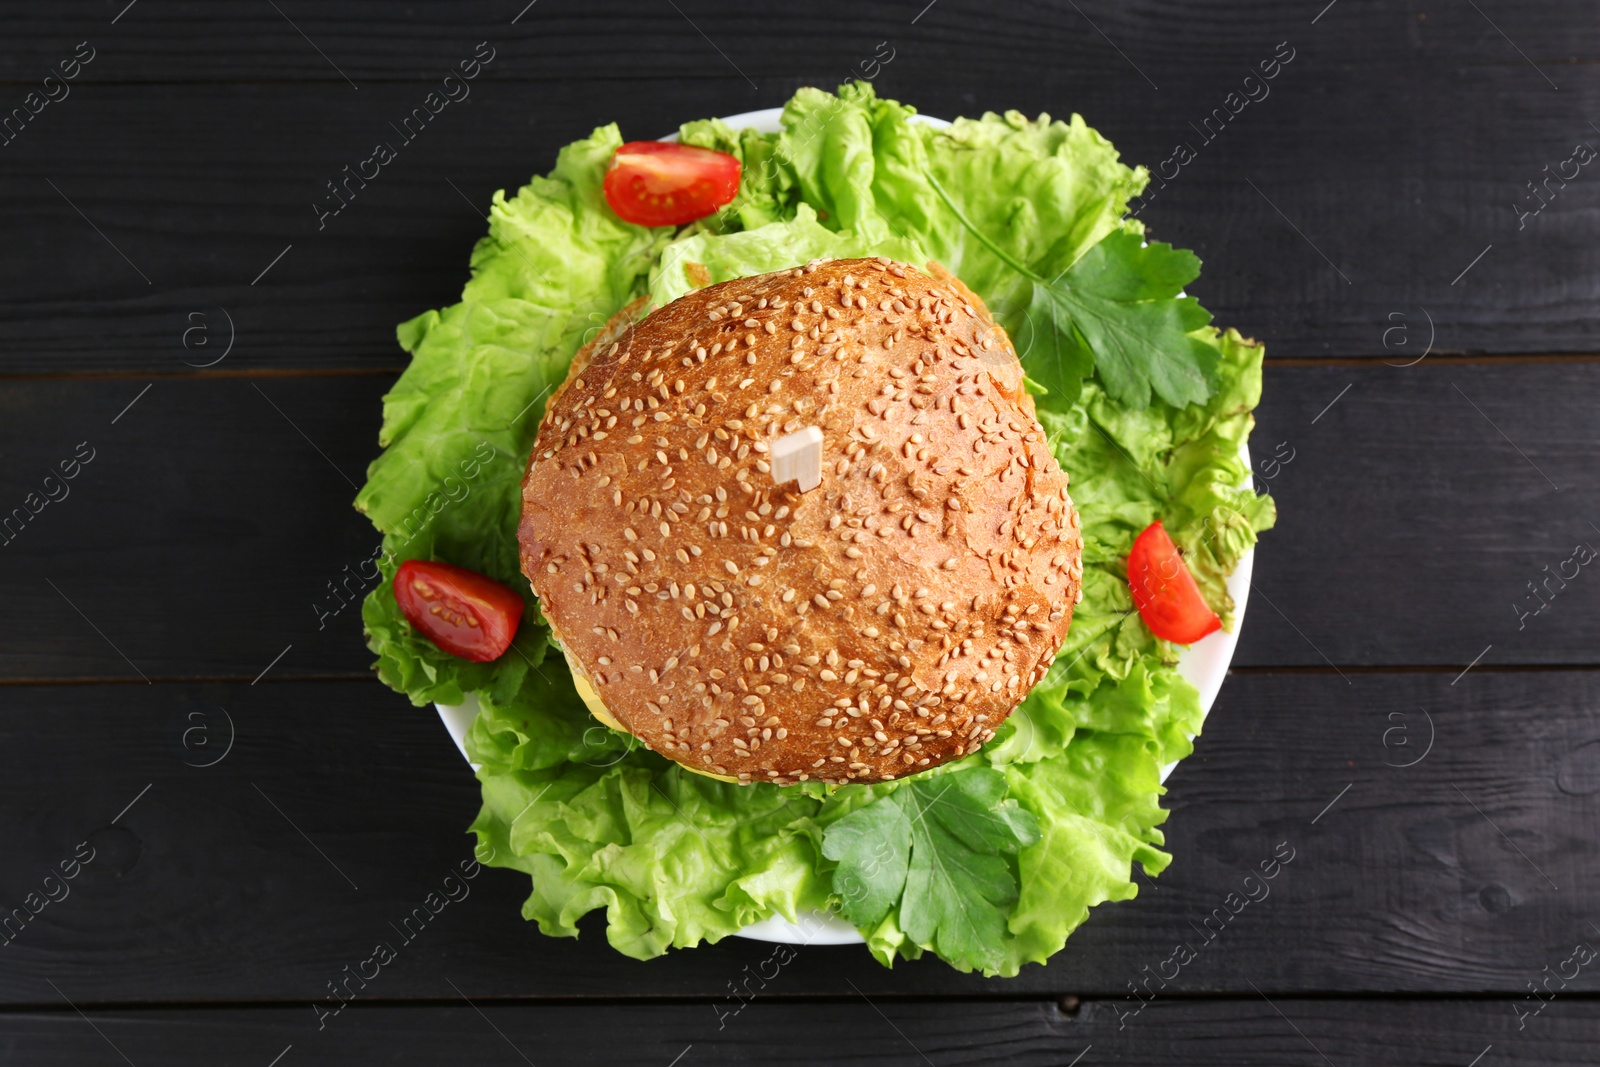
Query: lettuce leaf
<point x="458" y="424"/>
<point x="674" y="858"/>
<point x="990" y="862"/>
<point x="705" y="258"/>
<point x="766" y="188"/>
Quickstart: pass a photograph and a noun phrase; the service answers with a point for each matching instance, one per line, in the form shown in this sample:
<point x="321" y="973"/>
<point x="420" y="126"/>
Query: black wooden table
<point x="1406" y="221"/>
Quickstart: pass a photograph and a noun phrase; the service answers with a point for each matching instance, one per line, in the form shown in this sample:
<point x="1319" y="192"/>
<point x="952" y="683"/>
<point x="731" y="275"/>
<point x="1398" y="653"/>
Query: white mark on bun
<point x="797" y="457"/>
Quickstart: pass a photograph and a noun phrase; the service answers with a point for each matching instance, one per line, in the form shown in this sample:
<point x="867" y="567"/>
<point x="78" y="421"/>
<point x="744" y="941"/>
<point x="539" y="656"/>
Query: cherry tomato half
<point x="1165" y="592"/>
<point x="459" y="610"/>
<point x="653" y="183"/>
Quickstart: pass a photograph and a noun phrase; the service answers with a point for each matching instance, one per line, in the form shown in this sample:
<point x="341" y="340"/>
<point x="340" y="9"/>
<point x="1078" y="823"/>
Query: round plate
<point x="1204" y="664"/>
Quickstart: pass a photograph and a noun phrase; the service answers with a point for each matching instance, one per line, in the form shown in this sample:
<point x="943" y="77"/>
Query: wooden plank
<point x="1232" y="1032"/>
<point x="1415" y="511"/>
<point x="369" y="41"/>
<point x="200" y="535"/>
<point x="215" y="183"/>
<point x="200" y="539"/>
<point x="338" y="809"/>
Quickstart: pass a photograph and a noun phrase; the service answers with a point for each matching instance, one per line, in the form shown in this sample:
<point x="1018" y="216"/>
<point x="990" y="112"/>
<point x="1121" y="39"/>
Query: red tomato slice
<point x="459" y="610"/>
<point x="1168" y="599"/>
<point x="653" y="183"/>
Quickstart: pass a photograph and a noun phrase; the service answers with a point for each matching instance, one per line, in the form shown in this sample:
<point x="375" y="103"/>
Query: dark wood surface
<point x="1409" y="525"/>
<point x="1221" y="1032"/>
<point x="1395" y="142"/>
<point x="174" y="587"/>
<point x="1401" y="886"/>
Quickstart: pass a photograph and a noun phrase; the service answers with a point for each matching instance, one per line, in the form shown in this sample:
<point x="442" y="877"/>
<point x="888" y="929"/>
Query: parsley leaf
<point x="1053" y="357"/>
<point x="1120" y="302"/>
<point x="873" y="847"/>
<point x="1116" y="311"/>
<point x="941" y="849"/>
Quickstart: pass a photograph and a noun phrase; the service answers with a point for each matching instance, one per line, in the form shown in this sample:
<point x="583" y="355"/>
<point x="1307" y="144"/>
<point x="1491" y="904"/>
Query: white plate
<point x="1204" y="665"/>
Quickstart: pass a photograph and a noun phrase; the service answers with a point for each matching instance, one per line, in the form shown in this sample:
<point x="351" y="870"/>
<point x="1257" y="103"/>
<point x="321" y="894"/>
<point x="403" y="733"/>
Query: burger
<point x="885" y="619"/>
<point x="727" y="521"/>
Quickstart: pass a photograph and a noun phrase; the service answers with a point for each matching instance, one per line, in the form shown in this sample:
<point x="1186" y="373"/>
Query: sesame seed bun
<point x="878" y="625"/>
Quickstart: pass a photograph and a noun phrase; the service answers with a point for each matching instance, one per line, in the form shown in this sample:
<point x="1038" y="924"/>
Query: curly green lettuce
<point x="990" y="862"/>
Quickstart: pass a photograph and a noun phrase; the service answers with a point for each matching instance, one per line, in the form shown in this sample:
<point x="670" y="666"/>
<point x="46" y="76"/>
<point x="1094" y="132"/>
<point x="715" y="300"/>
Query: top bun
<point x="880" y="624"/>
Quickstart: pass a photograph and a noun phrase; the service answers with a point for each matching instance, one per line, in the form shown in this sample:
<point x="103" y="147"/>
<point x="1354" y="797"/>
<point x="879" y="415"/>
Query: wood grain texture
<point x="368" y="40"/>
<point x="1322" y="210"/>
<point x="201" y="539"/>
<point x="339" y="808"/>
<point x="1250" y="1032"/>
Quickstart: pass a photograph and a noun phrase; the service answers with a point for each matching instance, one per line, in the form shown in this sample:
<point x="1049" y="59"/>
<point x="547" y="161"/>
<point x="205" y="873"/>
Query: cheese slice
<point x="597" y="707"/>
